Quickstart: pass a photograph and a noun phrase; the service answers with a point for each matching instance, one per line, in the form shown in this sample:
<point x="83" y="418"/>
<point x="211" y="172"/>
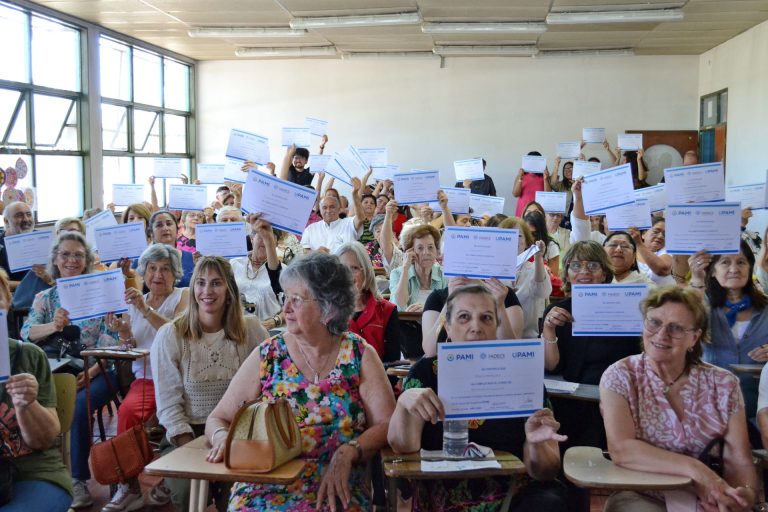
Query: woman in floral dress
<point x="335" y="384"/>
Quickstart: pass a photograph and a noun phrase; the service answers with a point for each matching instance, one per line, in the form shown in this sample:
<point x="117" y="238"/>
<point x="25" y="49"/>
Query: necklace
<point x="669" y="386"/>
<point x="306" y="360"/>
<point x="249" y="269"/>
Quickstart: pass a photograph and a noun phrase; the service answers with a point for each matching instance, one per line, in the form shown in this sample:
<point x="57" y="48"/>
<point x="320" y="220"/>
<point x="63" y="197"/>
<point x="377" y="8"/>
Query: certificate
<point x="630" y="141"/>
<point x="385" y="173"/>
<point x="584" y="167"/>
<point x="125" y="194"/>
<point x="552" y="202"/>
<point x="5" y="351"/>
<point x="121" y="241"/>
<point x="226" y="239"/>
<point x="607" y="309"/>
<point x="297" y="136"/>
<point x="480" y="205"/>
<point x="458" y="200"/>
<point x="480" y="253"/>
<point x="526" y="255"/>
<point x="533" y="163"/>
<point x="356" y="164"/>
<point x="471" y="169"/>
<point x="101" y="220"/>
<point x="570" y="149"/>
<point x="416" y="186"/>
<point x="336" y="167"/>
<point x="715" y="227"/>
<point x="284" y="204"/>
<point x="248" y="146"/>
<point x="750" y="196"/>
<point x="187" y="197"/>
<point x="318" y="163"/>
<point x="490" y="379"/>
<point x="212" y="174"/>
<point x="233" y="170"/>
<point x="656" y="196"/>
<point x="316" y="126"/>
<point x="374" y="157"/>
<point x="167" y="168"/>
<point x="633" y="215"/>
<point x="92" y="295"/>
<point x="28" y="249"/>
<point x="702" y="183"/>
<point x="608" y="189"/>
<point x="593" y="135"/>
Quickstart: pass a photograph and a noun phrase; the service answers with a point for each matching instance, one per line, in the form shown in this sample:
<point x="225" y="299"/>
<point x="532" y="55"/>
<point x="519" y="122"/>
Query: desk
<point x="409" y="466"/>
<point x="189" y="462"/>
<point x="409" y="316"/>
<point x="114" y="353"/>
<point x="754" y="369"/>
<point x="585" y="392"/>
<point x="400" y="371"/>
<point x="57" y="364"/>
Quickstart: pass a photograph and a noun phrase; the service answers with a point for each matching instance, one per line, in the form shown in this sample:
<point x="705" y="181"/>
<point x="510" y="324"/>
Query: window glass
<point x="146" y="131"/>
<point x="13" y="26"/>
<point x="115" y="69"/>
<point x="8" y="101"/>
<point x="55" y="123"/>
<point x="55" y="55"/>
<point x="176" y="81"/>
<point x="59" y="187"/>
<point x="175" y="134"/>
<point x="18" y="136"/>
<point x="147" y="82"/>
<point x="117" y="169"/>
<point x="114" y="127"/>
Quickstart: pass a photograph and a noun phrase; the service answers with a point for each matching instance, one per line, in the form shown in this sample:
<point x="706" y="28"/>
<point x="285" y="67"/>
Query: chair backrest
<point x="66" y="392"/>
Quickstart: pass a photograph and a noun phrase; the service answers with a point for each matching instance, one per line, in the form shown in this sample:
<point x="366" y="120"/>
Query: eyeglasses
<point x="589" y="266"/>
<point x="77" y="256"/>
<point x="623" y="247"/>
<point x="674" y="331"/>
<point x="295" y="301"/>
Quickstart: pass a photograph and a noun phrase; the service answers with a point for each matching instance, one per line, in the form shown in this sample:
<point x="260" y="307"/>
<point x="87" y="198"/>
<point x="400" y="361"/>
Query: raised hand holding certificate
<point x="121" y="241"/>
<point x="248" y="146"/>
<point x="534" y="163"/>
<point x="656" y="196"/>
<point x="608" y="189"/>
<point x="593" y="135"/>
<point x="92" y="295"/>
<point x="385" y="173"/>
<point x="416" y="186"/>
<point x="297" y="136"/>
<point x="471" y="169"/>
<point x="633" y="215"/>
<point x="210" y="173"/>
<point x="100" y="220"/>
<point x="570" y="149"/>
<point x="167" y="168"/>
<point x="715" y="227"/>
<point x="607" y="309"/>
<point x="630" y="141"/>
<point x="480" y="253"/>
<point x="284" y="204"/>
<point x="552" y="202"/>
<point x="127" y="194"/>
<point x="458" y="200"/>
<point x="700" y="183"/>
<point x="490" y="379"/>
<point x="318" y="163"/>
<point x="28" y="249"/>
<point x="337" y="168"/>
<point x="317" y="127"/>
<point x="485" y="205"/>
<point x="187" y="197"/>
<point x="754" y="196"/>
<point x="374" y="157"/>
<point x="225" y="239"/>
<point x="584" y="167"/>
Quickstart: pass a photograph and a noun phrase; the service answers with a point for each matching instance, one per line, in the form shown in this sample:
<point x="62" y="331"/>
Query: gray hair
<point x="375" y="221"/>
<point x="159" y="252"/>
<point x="330" y="284"/>
<point x="69" y="220"/>
<point x="369" y="276"/>
<point x="227" y="209"/>
<point x="74" y="236"/>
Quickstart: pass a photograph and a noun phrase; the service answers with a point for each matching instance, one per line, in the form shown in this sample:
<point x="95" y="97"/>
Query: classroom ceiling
<point x="166" y="23"/>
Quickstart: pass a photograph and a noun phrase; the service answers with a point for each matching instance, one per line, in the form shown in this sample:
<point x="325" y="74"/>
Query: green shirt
<point x="31" y="464"/>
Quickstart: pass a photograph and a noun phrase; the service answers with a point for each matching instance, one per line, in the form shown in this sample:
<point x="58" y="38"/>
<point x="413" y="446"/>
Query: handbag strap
<point x="280" y="423"/>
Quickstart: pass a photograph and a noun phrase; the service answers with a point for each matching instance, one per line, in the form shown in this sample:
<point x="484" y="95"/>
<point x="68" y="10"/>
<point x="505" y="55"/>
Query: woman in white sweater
<point x="195" y="357"/>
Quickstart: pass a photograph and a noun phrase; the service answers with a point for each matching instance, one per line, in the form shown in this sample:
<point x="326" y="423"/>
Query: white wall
<point x="428" y="117"/>
<point x="741" y="66"/>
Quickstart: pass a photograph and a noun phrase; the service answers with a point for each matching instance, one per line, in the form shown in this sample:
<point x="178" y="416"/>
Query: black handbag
<point x="712" y="455"/>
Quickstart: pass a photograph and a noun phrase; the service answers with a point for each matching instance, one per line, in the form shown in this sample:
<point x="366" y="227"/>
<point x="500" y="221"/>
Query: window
<point x="145" y="114"/>
<point x="714" y="109"/>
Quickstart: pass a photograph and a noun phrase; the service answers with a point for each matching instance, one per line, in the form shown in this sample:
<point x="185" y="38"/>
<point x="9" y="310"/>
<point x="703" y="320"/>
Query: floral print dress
<point x="329" y="413"/>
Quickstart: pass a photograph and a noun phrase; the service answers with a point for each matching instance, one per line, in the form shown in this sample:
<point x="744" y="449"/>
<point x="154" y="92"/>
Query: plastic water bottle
<point x="455" y="437"/>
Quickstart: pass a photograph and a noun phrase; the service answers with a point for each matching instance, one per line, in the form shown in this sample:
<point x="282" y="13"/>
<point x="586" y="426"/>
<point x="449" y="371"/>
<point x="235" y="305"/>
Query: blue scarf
<point x="735" y="308"/>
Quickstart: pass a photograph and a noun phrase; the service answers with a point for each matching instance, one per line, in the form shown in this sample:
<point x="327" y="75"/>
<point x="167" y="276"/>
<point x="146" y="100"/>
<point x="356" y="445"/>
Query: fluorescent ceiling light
<point x="388" y="55"/>
<point x="291" y="52"/>
<point x="587" y="53"/>
<point x="483" y="28"/>
<point x="373" y="20"/>
<point x="245" y="32"/>
<point x="486" y="51"/>
<point x="639" y="16"/>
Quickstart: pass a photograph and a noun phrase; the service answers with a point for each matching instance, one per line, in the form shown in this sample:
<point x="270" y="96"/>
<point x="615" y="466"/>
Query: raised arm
<point x="552" y="182"/>
<point x="660" y="265"/>
<point x="364" y="183"/>
<point x="357" y="201"/>
<point x="642" y="172"/>
<point x="442" y="199"/>
<point x="153" y="194"/>
<point x="323" y="142"/>
<point x="387" y="232"/>
<point x="517" y="190"/>
<point x="290" y="151"/>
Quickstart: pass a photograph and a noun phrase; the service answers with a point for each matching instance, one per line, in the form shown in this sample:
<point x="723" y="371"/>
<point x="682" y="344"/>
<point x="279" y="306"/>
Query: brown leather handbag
<point x="263" y="436"/>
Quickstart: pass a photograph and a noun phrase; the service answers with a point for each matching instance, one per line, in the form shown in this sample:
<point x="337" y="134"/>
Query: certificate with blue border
<point x="715" y="227"/>
<point x="607" y="309"/>
<point x="480" y="253"/>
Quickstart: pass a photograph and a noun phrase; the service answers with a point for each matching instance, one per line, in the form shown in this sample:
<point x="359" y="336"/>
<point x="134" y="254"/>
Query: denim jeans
<point x="37" y="496"/>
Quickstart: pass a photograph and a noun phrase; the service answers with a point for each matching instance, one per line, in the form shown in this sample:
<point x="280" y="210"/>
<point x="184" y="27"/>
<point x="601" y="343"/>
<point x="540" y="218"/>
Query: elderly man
<point x="332" y="232"/>
<point x="18" y="219"/>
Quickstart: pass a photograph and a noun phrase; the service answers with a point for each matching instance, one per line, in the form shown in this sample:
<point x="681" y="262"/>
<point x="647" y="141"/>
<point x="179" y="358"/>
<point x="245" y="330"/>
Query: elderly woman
<point x="622" y="253"/>
<point x="374" y="318"/>
<point x="652" y="257"/>
<point x="189" y="219"/>
<point x="341" y="396"/>
<point x="29" y="429"/>
<point x="71" y="256"/>
<point x="195" y="357"/>
<point x="160" y="269"/>
<point x="472" y="315"/>
<point x="162" y="229"/>
<point x="664" y="407"/>
<point x="287" y="245"/>
<point x="412" y="283"/>
<point x="738" y="315"/>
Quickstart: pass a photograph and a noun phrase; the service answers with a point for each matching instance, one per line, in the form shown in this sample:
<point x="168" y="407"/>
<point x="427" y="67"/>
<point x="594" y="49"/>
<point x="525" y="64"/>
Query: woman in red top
<point x="374" y="318"/>
<point x="526" y="186"/>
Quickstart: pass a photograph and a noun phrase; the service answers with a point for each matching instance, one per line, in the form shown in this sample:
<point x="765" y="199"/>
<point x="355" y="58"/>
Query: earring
<point x="690" y="349"/>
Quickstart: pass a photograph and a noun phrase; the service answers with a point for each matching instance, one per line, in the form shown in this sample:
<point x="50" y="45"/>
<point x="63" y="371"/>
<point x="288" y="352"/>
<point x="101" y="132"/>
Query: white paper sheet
<point x="607" y="309"/>
<point x="608" y="189"/>
<point x="480" y="253"/>
<point x="227" y="239"/>
<point x="715" y="227"/>
<point x="700" y="183"/>
<point x="28" y="249"/>
<point x="93" y="295"/>
<point x="125" y="194"/>
<point x="121" y="241"/>
<point x="284" y="204"/>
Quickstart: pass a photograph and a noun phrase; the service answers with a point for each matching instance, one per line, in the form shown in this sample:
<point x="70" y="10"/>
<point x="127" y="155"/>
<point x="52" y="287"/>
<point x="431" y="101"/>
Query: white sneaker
<point x="124" y="500"/>
<point x="158" y="495"/>
<point x="82" y="497"/>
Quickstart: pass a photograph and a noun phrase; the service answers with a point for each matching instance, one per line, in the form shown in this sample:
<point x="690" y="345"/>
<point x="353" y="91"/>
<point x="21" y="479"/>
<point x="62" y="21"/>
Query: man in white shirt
<point x="331" y="232"/>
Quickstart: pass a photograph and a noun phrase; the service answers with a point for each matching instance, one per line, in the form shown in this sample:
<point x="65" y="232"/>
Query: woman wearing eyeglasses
<point x="622" y="253"/>
<point x="664" y="407"/>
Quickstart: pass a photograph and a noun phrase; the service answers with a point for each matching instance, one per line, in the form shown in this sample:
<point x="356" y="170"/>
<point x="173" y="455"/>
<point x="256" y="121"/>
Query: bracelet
<point x="148" y="310"/>
<point x="545" y="340"/>
<point x="700" y="287"/>
<point x="276" y="319"/>
<point x="217" y="431"/>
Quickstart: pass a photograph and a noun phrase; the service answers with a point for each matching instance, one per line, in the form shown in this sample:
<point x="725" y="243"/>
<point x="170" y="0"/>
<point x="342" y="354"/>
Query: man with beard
<point x="18" y="219"/>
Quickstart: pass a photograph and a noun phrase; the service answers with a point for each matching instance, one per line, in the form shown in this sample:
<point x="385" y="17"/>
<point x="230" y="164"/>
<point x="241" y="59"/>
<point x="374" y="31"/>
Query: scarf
<point x="735" y="308"/>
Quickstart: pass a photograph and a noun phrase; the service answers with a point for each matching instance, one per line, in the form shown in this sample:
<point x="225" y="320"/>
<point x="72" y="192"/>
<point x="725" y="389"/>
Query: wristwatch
<point x="356" y="445"/>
